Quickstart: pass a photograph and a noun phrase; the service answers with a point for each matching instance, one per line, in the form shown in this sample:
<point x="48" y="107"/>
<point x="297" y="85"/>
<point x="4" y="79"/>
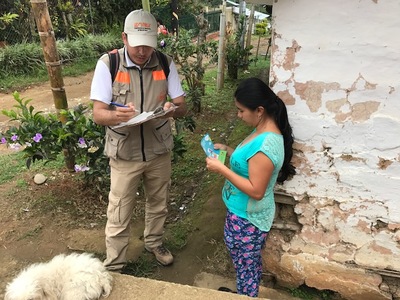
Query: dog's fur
<point x="65" y="277"/>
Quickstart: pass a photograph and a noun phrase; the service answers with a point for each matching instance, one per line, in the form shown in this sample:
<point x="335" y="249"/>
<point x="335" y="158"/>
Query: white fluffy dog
<point x="65" y="277"/>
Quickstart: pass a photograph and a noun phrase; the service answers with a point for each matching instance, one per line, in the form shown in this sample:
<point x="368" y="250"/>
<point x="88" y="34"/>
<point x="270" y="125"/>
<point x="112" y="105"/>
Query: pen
<point x="118" y="104"/>
<point x="121" y="105"/>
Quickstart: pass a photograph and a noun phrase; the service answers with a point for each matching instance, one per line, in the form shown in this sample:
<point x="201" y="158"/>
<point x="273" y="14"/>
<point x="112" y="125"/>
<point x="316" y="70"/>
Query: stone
<point x="39" y="179"/>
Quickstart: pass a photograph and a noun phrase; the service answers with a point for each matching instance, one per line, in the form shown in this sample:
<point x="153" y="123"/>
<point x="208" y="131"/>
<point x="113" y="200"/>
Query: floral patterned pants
<point x="245" y="242"/>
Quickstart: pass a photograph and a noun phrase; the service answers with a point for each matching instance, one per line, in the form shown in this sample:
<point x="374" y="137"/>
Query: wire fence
<point x="189" y="22"/>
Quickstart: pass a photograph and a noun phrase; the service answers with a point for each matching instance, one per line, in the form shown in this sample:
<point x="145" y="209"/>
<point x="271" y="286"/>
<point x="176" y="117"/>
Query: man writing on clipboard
<point x="142" y="151"/>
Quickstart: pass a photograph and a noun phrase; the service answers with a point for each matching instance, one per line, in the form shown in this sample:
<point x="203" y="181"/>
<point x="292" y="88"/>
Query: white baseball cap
<point x="141" y="28"/>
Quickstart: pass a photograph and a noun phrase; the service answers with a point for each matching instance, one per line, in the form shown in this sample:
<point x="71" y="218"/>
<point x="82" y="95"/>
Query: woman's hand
<point x="223" y="147"/>
<point x="220" y="146"/>
<point x="214" y="165"/>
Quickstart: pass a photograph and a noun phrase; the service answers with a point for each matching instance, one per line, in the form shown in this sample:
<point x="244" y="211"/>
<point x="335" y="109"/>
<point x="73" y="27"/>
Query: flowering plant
<point x="44" y="136"/>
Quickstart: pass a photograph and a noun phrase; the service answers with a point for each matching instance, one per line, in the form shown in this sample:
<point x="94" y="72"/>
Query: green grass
<point x="21" y="183"/>
<point x="144" y="266"/>
<point x="81" y="67"/>
<point x="14" y="164"/>
<point x="177" y="234"/>
<point x="308" y="293"/>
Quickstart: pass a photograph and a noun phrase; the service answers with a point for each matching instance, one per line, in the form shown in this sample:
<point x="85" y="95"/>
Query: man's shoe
<point x="163" y="256"/>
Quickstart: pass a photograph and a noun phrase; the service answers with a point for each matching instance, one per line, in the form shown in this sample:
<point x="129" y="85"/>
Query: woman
<point x="257" y="163"/>
<point x="161" y="27"/>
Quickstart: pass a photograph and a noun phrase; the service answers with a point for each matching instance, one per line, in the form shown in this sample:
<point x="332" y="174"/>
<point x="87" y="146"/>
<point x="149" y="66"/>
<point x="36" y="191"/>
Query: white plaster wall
<point x="336" y="64"/>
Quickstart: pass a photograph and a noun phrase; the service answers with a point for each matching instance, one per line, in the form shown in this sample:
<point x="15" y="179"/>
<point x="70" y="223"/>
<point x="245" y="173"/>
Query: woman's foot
<point x="225" y="289"/>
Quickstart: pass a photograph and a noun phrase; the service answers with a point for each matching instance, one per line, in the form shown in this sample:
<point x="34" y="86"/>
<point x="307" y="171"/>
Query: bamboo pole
<point x="146" y="5"/>
<point x="53" y="64"/>
<point x="49" y="47"/>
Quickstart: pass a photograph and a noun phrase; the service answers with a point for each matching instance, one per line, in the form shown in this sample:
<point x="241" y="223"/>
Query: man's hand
<point x="167" y="106"/>
<point x="124" y="114"/>
<point x="104" y="114"/>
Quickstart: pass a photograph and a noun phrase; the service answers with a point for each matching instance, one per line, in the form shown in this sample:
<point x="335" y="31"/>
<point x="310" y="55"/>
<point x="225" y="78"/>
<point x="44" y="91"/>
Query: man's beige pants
<point x="125" y="178"/>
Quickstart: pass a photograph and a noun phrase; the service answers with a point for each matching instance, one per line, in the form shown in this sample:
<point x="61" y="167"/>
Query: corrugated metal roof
<point x="257" y="15"/>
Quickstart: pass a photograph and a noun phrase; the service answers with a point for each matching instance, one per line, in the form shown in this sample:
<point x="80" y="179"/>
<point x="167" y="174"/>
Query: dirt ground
<point x="33" y="232"/>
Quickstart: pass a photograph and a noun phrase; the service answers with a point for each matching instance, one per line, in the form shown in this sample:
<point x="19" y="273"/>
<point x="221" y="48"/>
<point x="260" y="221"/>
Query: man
<point x="142" y="151"/>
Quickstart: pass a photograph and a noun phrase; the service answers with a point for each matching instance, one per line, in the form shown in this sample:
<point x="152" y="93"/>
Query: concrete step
<point x="127" y="287"/>
<point x="213" y="282"/>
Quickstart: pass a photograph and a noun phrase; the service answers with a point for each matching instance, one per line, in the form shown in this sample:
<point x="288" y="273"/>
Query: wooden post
<point x="51" y="57"/>
<point x="250" y="26"/>
<point x="242" y="13"/>
<point x="53" y="63"/>
<point x="221" y="48"/>
<point x="249" y="33"/>
<point x="175" y="17"/>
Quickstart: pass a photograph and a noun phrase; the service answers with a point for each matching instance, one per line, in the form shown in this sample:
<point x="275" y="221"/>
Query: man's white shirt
<point x="101" y="88"/>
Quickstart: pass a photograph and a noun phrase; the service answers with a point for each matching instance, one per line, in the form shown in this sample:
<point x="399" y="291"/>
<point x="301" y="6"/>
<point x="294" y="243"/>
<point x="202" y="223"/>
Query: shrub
<point x="44" y="136"/>
<point x="27" y="58"/>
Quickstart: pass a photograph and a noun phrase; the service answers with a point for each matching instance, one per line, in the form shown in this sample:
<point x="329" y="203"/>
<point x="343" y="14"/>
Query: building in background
<point x="336" y="64"/>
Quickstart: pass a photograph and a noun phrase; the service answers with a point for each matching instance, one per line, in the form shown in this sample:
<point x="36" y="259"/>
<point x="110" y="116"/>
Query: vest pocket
<point x="163" y="133"/>
<point x="114" y="140"/>
<point x="120" y="92"/>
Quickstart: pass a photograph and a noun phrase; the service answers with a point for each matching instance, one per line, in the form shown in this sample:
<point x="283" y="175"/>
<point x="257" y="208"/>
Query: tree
<point x="189" y="55"/>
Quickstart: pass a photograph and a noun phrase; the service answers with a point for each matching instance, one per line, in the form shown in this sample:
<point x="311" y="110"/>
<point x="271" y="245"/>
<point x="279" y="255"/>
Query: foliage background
<point x="76" y="18"/>
<point x="83" y="30"/>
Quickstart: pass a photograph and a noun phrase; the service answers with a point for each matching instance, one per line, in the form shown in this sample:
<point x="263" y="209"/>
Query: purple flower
<point x="82" y="143"/>
<point x="3" y="140"/>
<point x="14" y="137"/>
<point x="79" y="168"/>
<point x="37" y="137"/>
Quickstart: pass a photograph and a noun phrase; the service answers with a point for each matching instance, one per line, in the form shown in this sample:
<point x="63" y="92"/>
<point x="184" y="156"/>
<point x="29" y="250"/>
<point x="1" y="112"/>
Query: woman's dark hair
<point x="253" y="93"/>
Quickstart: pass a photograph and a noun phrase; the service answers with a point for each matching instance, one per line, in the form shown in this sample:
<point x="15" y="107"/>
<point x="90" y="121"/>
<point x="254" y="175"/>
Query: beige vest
<point x="147" y="89"/>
